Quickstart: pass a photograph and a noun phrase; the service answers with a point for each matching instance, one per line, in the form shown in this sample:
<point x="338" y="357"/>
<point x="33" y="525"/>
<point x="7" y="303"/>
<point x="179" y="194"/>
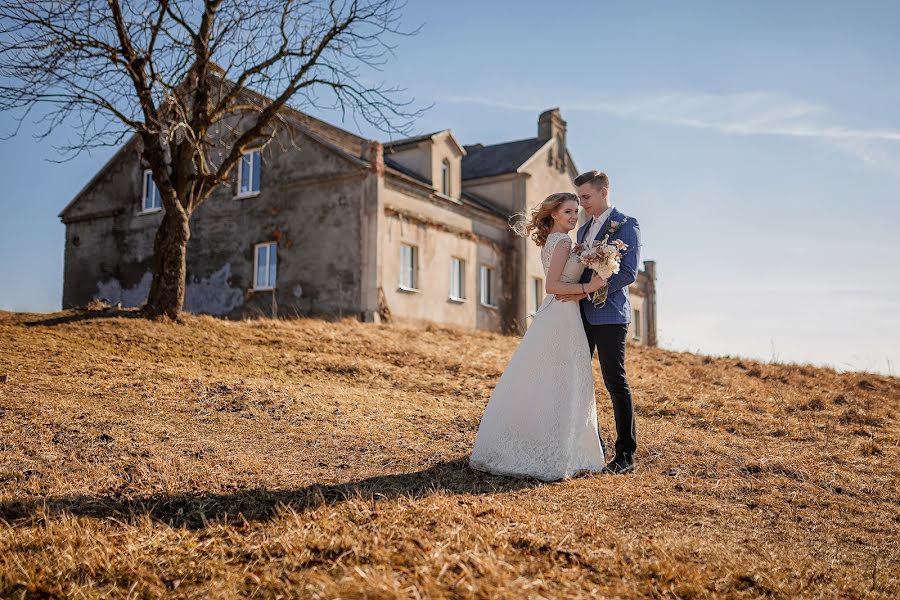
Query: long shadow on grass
<point x="86" y="315"/>
<point x="196" y="511"/>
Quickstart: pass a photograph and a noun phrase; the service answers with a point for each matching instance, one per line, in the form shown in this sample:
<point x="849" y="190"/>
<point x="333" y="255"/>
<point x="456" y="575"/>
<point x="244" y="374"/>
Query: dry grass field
<point x="314" y="459"/>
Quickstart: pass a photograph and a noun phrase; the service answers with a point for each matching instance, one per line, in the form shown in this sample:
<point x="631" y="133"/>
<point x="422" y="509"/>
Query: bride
<point x="541" y="420"/>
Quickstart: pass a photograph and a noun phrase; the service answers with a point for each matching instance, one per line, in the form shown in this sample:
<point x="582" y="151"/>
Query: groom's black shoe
<point x="621" y="464"/>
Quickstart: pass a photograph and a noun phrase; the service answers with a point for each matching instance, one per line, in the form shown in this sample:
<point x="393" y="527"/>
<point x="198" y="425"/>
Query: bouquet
<point x="603" y="258"/>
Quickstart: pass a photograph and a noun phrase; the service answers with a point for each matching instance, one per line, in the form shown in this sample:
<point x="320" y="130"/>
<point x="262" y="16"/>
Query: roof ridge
<point x="415" y="138"/>
<point x="498" y="159"/>
<point x="483" y="146"/>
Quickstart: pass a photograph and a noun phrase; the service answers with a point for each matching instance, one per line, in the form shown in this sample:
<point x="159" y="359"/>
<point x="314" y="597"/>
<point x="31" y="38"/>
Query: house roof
<point x="411" y="140"/>
<point x="106" y="166"/>
<point x="483" y="204"/>
<point x="336" y="138"/>
<point x="497" y="159"/>
<point x="343" y="139"/>
<point x="393" y="164"/>
<point x="331" y="136"/>
<point x="396" y="144"/>
<point x="466" y="197"/>
<point x="349" y="146"/>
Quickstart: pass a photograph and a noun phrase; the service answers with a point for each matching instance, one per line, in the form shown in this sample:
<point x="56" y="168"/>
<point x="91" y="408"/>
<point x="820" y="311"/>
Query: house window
<point x="152" y="201"/>
<point x="457" y="279"/>
<point x="445" y="177"/>
<point x="409" y="262"/>
<point x="265" y="266"/>
<point x="248" y="174"/>
<point x="637" y="324"/>
<point x="488" y="291"/>
<point x="537" y="292"/>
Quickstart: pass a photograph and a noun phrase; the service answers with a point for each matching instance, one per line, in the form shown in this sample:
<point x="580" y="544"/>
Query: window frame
<point x="487" y="293"/>
<point x="256" y="247"/>
<point x="257" y="152"/>
<point x="148" y="176"/>
<point x="413" y="269"/>
<point x="460" y="279"/>
<point x="537" y="292"/>
<point x="445" y="177"/>
<point x="637" y="324"/>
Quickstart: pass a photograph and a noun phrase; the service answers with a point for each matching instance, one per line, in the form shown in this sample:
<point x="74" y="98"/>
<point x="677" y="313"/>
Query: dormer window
<point x="445" y="177"/>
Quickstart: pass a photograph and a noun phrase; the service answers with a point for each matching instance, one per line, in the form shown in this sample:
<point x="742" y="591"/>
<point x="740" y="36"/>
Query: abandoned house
<point x="332" y="223"/>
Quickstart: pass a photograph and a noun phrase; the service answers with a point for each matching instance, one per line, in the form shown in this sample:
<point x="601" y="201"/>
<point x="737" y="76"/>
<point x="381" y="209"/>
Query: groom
<point x="606" y="327"/>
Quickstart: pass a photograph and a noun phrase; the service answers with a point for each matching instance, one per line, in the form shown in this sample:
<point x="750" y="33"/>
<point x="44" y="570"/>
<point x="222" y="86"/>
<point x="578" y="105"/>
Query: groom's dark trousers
<point x="611" y="318"/>
<point x="609" y="341"/>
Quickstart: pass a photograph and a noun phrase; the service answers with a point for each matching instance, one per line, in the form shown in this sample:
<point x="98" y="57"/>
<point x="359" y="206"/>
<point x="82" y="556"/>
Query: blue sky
<point x="758" y="143"/>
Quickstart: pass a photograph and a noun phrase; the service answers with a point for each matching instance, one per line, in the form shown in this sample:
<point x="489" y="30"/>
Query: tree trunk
<point x="169" y="268"/>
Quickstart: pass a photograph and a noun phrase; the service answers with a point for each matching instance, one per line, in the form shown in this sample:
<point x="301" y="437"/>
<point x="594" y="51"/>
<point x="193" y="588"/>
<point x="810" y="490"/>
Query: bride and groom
<point x="541" y="420"/>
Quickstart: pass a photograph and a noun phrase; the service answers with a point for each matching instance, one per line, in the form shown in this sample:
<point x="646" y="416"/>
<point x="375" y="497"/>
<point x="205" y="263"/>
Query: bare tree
<point x="198" y="81"/>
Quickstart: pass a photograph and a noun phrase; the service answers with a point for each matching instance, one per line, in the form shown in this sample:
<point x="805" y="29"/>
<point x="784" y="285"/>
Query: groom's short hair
<point x="597" y="178"/>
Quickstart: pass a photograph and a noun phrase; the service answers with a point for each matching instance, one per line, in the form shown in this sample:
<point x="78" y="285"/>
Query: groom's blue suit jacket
<point x="617" y="309"/>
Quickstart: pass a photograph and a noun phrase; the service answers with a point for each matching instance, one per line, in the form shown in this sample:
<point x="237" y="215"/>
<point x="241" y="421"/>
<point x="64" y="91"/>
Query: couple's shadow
<point x="198" y="510"/>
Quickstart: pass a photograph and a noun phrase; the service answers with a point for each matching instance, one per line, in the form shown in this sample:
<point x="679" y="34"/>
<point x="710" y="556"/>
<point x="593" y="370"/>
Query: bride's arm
<point x="557" y="264"/>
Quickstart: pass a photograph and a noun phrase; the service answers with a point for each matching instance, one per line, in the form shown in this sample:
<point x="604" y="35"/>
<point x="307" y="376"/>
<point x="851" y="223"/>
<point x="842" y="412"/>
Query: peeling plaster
<point x="212" y="295"/>
<point x="112" y="292"/>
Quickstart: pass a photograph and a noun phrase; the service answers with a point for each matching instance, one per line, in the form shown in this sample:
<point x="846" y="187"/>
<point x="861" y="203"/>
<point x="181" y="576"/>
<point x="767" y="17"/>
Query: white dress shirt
<point x="596" y="225"/>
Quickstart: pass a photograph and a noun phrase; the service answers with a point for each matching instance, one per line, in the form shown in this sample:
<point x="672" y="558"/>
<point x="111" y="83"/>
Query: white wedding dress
<point x="541" y="420"/>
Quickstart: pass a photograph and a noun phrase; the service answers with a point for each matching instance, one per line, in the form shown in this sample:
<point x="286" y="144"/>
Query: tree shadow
<point x="198" y="510"/>
<point x="87" y="315"/>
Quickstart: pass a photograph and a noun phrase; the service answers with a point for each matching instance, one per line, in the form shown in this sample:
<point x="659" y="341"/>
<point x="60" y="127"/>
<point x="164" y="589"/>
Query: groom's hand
<point x="570" y="297"/>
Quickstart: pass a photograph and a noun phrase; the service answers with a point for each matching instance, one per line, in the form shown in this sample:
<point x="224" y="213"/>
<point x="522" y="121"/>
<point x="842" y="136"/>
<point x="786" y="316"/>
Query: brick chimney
<point x="551" y="125"/>
<point x="373" y="152"/>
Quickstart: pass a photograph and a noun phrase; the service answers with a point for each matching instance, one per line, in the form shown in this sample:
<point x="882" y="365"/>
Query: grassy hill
<point x="319" y="460"/>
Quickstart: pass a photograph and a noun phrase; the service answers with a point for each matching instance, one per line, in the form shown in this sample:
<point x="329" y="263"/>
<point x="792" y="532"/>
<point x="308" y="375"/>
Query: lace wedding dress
<point x="541" y="420"/>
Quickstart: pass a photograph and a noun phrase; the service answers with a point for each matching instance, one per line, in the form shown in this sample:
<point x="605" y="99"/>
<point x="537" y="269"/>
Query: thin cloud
<point x="746" y="113"/>
<point x="880" y="154"/>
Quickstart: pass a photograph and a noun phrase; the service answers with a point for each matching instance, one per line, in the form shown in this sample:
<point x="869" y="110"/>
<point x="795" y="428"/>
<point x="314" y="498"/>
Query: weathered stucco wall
<point x="637" y="309"/>
<point x="504" y="191"/>
<point x="426" y="159"/>
<point x="415" y="157"/>
<point x="439" y="233"/>
<point x="309" y="203"/>
<point x="109" y="242"/>
<point x="643" y="299"/>
<point x="543" y="179"/>
<point x="338" y="221"/>
<point x="444" y="149"/>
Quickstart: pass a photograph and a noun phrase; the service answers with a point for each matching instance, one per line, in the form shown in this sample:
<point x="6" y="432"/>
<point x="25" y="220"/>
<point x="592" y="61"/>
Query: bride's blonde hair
<point x="538" y="226"/>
